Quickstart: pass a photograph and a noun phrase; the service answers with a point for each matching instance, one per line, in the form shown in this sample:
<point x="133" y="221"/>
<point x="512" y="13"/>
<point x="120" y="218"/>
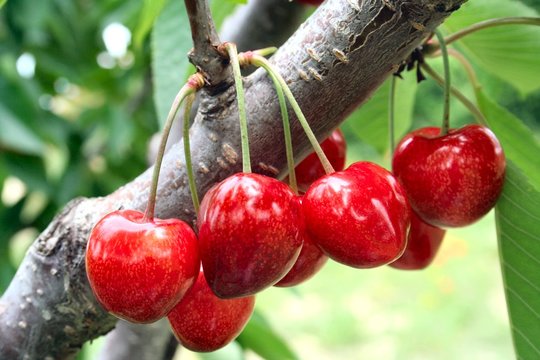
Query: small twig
<point x="205" y="55"/>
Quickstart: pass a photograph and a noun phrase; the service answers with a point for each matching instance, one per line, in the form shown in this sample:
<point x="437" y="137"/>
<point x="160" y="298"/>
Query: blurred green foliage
<point x="78" y="122"/>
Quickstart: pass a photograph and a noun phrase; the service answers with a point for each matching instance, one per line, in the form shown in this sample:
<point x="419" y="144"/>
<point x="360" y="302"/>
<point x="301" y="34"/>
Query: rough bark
<point x="332" y="63"/>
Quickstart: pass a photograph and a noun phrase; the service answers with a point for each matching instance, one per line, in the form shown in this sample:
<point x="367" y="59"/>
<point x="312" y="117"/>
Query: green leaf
<point x="517" y="140"/>
<point x="2" y="3"/>
<point x="149" y="13"/>
<point x="171" y="41"/>
<point x="16" y="136"/>
<point x="510" y="52"/>
<point x="221" y="9"/>
<point x="517" y="216"/>
<point x="259" y="337"/>
<point x="370" y="122"/>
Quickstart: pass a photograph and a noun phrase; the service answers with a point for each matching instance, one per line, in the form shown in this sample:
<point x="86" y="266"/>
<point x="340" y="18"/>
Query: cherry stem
<point x="391" y="112"/>
<point x="233" y="56"/>
<point x="194" y="83"/>
<point x="518" y="20"/>
<point x="265" y="51"/>
<point x="480" y="118"/>
<point x="446" y="64"/>
<point x="264" y="63"/>
<point x="187" y="153"/>
<point x="286" y="129"/>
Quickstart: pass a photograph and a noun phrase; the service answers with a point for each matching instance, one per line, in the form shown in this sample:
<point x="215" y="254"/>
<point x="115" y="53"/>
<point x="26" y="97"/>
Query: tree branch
<point x="335" y="61"/>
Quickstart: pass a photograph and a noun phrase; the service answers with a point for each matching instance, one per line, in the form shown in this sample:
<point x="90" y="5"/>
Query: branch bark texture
<point x="334" y="62"/>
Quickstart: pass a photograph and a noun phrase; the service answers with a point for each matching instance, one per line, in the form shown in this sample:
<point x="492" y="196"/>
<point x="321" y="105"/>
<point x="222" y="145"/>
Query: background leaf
<point x="510" y="52"/>
<point x="16" y="136"/>
<point x="171" y="41"/>
<point x="148" y="14"/>
<point x="259" y="337"/>
<point x="370" y="122"/>
<point x="517" y="217"/>
<point x="517" y="140"/>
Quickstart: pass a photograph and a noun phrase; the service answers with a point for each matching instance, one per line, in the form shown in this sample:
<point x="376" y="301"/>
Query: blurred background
<point x="77" y="113"/>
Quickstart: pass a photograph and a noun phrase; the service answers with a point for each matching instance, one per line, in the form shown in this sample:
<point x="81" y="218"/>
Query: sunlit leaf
<point x="516" y="138"/>
<point x="510" y="52"/>
<point x="517" y="217"/>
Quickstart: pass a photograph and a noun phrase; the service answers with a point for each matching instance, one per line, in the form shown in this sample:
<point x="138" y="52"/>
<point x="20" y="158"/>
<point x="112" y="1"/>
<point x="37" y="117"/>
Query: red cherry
<point x="309" y="262"/>
<point x="248" y="234"/>
<point x="451" y="180"/>
<point x="203" y="322"/>
<point x="311" y="169"/>
<point x="359" y="216"/>
<point x="140" y="269"/>
<point x="423" y="243"/>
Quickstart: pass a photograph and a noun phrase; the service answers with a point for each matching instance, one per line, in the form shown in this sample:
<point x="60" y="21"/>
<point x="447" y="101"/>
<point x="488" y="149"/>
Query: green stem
<point x="233" y="56"/>
<point x="492" y="23"/>
<point x="264" y="63"/>
<point x="446" y="63"/>
<point x="480" y="118"/>
<point x="187" y="153"/>
<point x="286" y="130"/>
<point x="265" y="51"/>
<point x="194" y="83"/>
<point x="391" y="112"/>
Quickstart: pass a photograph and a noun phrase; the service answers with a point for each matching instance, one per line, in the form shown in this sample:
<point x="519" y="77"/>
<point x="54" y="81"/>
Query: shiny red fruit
<point x="359" y="216"/>
<point x="311" y="169"/>
<point x="451" y="180"/>
<point x="140" y="269"/>
<point x="248" y="234"/>
<point x="309" y="262"/>
<point x="423" y="243"/>
<point x="203" y="322"/>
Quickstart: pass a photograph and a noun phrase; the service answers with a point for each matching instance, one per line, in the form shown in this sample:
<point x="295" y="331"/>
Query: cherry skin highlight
<point x="203" y="322"/>
<point x="248" y="234"/>
<point x="309" y="262"/>
<point x="140" y="269"/>
<point x="311" y="169"/>
<point x="451" y="180"/>
<point x="423" y="244"/>
<point x="358" y="217"/>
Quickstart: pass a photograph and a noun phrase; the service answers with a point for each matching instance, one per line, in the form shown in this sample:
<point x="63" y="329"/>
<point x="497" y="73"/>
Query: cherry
<point x="309" y="262"/>
<point x="451" y="180"/>
<point x="203" y="322"/>
<point x="423" y="243"/>
<point x="359" y="216"/>
<point x="140" y="269"/>
<point x="310" y="169"/>
<point x="248" y="234"/>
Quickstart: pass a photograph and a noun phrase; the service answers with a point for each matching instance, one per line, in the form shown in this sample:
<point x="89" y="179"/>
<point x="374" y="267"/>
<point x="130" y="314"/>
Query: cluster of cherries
<point x="255" y="232"/>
